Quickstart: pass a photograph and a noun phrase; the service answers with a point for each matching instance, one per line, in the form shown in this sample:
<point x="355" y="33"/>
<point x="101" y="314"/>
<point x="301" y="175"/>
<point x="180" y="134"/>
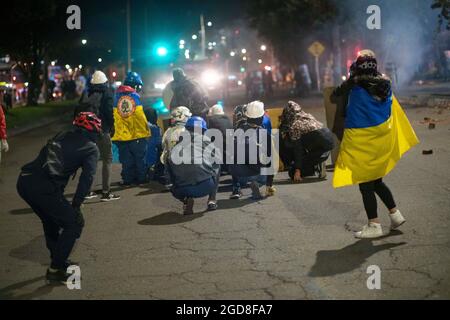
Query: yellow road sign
<point x="316" y="49"/>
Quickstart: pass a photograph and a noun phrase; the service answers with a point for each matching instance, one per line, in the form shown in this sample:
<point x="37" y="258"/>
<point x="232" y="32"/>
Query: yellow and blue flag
<point x="377" y="134"/>
<point x="130" y="122"/>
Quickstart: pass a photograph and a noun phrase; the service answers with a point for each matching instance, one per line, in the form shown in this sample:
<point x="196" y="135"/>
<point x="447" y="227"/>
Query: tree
<point x="285" y="23"/>
<point x="444" y="6"/>
<point x="36" y="31"/>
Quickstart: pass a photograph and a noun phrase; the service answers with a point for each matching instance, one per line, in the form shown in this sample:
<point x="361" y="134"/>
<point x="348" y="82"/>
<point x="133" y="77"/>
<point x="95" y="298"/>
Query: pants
<point x="132" y="157"/>
<point x="307" y="152"/>
<point x="205" y="188"/>
<point x="59" y="219"/>
<point x="105" y="147"/>
<point x="368" y="191"/>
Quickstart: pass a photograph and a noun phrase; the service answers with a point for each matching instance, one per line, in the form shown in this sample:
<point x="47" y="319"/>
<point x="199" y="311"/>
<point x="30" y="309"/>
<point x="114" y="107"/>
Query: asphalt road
<point x="296" y="245"/>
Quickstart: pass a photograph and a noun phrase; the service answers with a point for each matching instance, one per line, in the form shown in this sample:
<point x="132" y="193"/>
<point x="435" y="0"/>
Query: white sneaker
<point x="370" y="231"/>
<point x="397" y="220"/>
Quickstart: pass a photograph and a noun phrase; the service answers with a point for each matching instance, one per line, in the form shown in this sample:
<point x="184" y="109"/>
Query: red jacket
<point x="2" y="124"/>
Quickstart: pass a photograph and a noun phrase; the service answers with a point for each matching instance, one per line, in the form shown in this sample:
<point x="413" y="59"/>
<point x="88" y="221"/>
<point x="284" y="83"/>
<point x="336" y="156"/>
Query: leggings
<point x="368" y="191"/>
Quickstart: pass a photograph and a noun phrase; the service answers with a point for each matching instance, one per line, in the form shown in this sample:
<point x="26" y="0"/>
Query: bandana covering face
<point x="296" y="122"/>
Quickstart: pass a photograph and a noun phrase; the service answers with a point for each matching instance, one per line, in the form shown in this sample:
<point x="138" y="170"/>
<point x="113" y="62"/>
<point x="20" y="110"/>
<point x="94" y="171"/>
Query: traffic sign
<point x="316" y="49"/>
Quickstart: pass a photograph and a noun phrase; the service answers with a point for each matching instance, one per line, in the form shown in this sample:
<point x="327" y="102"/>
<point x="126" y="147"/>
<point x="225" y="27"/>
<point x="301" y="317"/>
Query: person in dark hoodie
<point x="98" y="98"/>
<point x="217" y="119"/>
<point x="42" y="182"/>
<point x="198" y="175"/>
<point x="187" y="93"/>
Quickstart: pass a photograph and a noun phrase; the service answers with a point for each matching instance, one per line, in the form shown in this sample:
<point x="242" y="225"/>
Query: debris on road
<point x="427" y="152"/>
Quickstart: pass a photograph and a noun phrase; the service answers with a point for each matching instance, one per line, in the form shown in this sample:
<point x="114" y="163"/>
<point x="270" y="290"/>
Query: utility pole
<point x="203" y="36"/>
<point x="129" y="34"/>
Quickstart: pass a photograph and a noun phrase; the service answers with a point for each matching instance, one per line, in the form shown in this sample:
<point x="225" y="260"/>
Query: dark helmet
<point x="198" y="122"/>
<point x="366" y="63"/>
<point x="134" y="80"/>
<point x="88" y="121"/>
<point x="353" y="69"/>
<point x="178" y="74"/>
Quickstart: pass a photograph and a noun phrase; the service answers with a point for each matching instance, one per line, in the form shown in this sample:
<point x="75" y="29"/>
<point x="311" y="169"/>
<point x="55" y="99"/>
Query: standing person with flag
<point x="131" y="131"/>
<point x="377" y="133"/>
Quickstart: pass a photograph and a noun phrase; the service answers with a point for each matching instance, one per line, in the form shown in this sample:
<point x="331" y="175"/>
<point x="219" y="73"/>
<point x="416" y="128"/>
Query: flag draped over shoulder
<point x="376" y="136"/>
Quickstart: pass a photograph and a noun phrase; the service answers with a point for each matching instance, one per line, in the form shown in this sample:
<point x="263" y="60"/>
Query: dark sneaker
<point x="212" y="206"/>
<point x="106" y="197"/>
<point x="237" y="194"/>
<point x="188" y="207"/>
<point x="57" y="276"/>
<point x="256" y="193"/>
<point x="91" y="195"/>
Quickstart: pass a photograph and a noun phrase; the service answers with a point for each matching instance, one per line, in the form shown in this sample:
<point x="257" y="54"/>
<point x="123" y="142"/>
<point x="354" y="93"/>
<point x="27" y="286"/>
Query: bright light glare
<point x="239" y="83"/>
<point x="100" y="59"/>
<point x="260" y="61"/>
<point x="159" y="86"/>
<point x="161" y="51"/>
<point x="268" y="68"/>
<point x="244" y="51"/>
<point x="84" y="41"/>
<point x="344" y="78"/>
<point x="210" y="24"/>
<point x="182" y="42"/>
<point x="263" y="48"/>
<point x="232" y="53"/>
<point x="211" y="77"/>
<point x="194" y="37"/>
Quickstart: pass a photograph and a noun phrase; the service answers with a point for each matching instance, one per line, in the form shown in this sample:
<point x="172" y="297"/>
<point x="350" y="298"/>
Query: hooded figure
<point x="377" y="133"/>
<point x="186" y="92"/>
<point x="305" y="143"/>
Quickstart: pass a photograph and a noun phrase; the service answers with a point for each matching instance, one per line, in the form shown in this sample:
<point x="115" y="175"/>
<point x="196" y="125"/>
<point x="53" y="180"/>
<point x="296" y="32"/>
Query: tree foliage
<point x="285" y="23"/>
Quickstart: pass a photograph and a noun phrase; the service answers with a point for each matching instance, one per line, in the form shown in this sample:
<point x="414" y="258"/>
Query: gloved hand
<point x="79" y="216"/>
<point x="5" y="146"/>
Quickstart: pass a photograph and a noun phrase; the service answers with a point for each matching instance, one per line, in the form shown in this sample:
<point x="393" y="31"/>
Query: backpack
<point x="50" y="159"/>
<point x="90" y="103"/>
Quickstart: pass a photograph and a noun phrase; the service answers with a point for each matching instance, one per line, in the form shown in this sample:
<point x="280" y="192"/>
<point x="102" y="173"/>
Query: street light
<point x="83" y="42"/>
<point x="260" y="61"/>
<point x="209" y="24"/>
<point x="162" y="51"/>
<point x="194" y="37"/>
<point x="232" y="53"/>
<point x="244" y="51"/>
<point x="263" y="47"/>
<point x="100" y="60"/>
<point x="182" y="42"/>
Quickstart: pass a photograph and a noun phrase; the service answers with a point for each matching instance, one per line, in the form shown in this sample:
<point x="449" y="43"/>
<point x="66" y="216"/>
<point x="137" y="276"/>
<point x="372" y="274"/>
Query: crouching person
<point x="305" y="143"/>
<point x="42" y="182"/>
<point x="193" y="167"/>
<point x="252" y="150"/>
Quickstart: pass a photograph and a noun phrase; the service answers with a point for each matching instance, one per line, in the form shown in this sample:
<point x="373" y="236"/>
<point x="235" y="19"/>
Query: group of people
<point x="194" y="159"/>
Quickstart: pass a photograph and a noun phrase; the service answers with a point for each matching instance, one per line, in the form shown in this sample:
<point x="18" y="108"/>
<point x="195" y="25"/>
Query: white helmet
<point x="181" y="114"/>
<point x="255" y="110"/>
<point x="99" y="78"/>
<point x="216" y="110"/>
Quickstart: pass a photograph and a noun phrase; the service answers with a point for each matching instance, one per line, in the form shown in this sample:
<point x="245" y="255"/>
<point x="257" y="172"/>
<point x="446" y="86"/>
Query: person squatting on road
<point x="185" y="92"/>
<point x="217" y="119"/>
<point x="131" y="131"/>
<point x="153" y="163"/>
<point x="256" y="144"/>
<point x="98" y="98"/>
<point x="193" y="167"/>
<point x="305" y="143"/>
<point x="42" y="182"/>
<point x="376" y="135"/>
<point x="4" y="147"/>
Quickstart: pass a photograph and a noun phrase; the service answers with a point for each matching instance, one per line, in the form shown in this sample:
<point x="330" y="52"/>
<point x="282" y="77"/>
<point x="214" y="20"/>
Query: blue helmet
<point x="134" y="80"/>
<point x="196" y="122"/>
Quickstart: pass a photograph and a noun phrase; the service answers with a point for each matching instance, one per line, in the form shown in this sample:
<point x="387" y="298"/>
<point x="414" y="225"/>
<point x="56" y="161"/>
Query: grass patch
<point x="23" y="116"/>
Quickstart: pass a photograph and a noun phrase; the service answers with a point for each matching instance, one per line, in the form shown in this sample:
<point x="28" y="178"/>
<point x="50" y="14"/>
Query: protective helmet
<point x="88" y="121"/>
<point x="99" y="78"/>
<point x="366" y="63"/>
<point x="178" y="74"/>
<point x="216" y="110"/>
<point x="134" y="80"/>
<point x="198" y="122"/>
<point x="181" y="114"/>
<point x="255" y="110"/>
